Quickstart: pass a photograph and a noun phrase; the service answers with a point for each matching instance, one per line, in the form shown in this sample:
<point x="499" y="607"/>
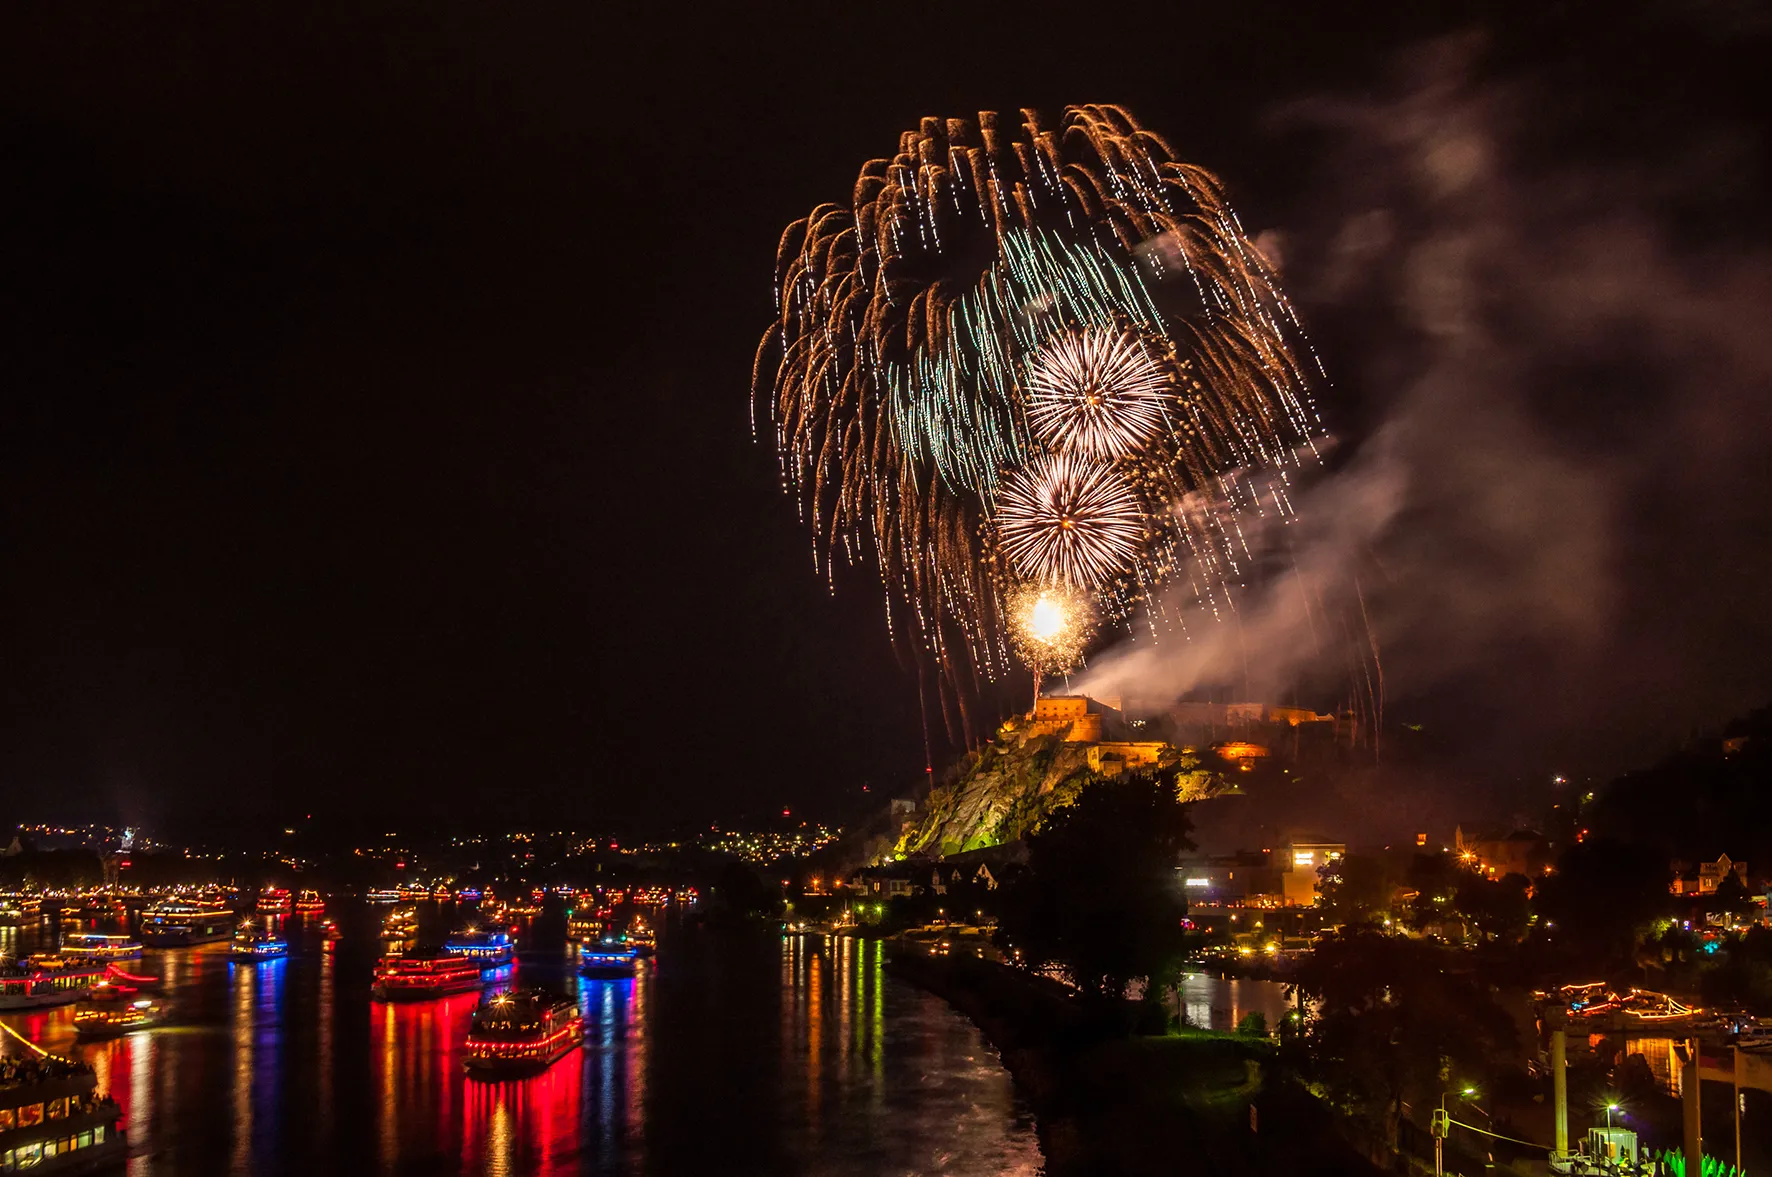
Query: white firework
<point x="1096" y="392"/>
<point x="1069" y="519"/>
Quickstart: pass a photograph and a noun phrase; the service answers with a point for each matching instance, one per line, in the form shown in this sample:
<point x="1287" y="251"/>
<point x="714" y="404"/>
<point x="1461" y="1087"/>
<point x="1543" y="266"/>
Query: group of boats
<point x="1598" y="1008"/>
<point x="513" y="1030"/>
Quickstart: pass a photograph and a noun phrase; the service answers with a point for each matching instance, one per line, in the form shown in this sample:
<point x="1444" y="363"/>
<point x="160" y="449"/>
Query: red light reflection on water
<point x="528" y="1125"/>
<point x="418" y="1053"/>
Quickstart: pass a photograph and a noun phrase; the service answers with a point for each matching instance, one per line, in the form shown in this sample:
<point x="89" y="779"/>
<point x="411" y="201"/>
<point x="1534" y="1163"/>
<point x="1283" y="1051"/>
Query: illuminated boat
<point x="583" y="928"/>
<point x="17" y="910"/>
<point x="53" y="1119"/>
<point x="47" y="980"/>
<point x="329" y="930"/>
<point x="309" y="902"/>
<point x="100" y="946"/>
<point x="415" y="978"/>
<point x="383" y="895"/>
<point x="400" y="924"/>
<point x="608" y="963"/>
<point x="273" y="901"/>
<point x="641" y="938"/>
<point x="522" y="1032"/>
<point x="176" y="922"/>
<point x="490" y="949"/>
<point x="114" y="1019"/>
<point x="252" y="944"/>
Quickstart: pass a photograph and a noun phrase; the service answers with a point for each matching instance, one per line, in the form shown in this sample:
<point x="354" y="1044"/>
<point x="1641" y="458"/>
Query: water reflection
<point x="1219" y="1003"/>
<point x="730" y="1053"/>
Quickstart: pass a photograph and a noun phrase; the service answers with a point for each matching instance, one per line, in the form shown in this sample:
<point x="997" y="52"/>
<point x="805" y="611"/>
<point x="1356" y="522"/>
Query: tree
<point x="1603" y="894"/>
<point x="742" y="892"/>
<point x="1498" y="907"/>
<point x="1357" y="889"/>
<point x="1100" y="896"/>
<point x="1394" y="1021"/>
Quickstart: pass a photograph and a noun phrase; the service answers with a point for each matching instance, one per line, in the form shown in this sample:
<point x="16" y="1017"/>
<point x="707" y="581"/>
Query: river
<point x="729" y="1054"/>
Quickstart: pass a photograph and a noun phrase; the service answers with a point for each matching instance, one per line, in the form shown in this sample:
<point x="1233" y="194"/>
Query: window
<point x="98" y="1134"/>
<point x="7" y="1120"/>
<point x="30" y="1114"/>
<point x="57" y="1108"/>
<point x="84" y="1141"/>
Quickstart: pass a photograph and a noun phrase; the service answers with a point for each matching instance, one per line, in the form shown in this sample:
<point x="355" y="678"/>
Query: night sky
<point x="376" y="435"/>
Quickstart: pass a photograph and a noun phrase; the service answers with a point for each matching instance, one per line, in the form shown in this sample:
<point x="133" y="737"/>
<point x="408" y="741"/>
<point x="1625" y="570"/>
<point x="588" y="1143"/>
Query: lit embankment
<point x="1110" y="1104"/>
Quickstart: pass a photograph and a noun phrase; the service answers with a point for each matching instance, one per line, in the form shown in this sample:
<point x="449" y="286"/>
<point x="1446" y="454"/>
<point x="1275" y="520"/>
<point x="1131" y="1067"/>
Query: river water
<point x="728" y="1054"/>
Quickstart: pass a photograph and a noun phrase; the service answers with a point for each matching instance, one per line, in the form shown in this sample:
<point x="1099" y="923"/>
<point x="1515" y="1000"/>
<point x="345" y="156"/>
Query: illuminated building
<point x="1300" y="861"/>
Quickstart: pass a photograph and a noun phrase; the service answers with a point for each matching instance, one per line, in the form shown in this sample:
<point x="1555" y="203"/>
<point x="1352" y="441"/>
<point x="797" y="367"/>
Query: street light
<point x="1610" y="1108"/>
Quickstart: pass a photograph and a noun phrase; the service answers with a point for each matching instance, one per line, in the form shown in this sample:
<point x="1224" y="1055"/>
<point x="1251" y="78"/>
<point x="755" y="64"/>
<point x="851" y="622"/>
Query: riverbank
<point x="1113" y="1106"/>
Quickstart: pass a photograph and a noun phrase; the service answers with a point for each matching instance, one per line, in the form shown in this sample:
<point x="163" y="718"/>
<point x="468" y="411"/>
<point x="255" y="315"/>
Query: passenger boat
<point x="415" y="978"/>
<point x="583" y="928"/>
<point x="611" y="963"/>
<point x="522" y="1032"/>
<point x="17" y="909"/>
<point x="252" y="944"/>
<point x="113" y="1019"/>
<point x="1637" y="1011"/>
<point x="329" y="930"/>
<point x="641" y="938"/>
<point x="400" y="924"/>
<point x="383" y="895"/>
<point x="490" y="949"/>
<point x="174" y="922"/>
<point x="100" y="946"/>
<point x="273" y="901"/>
<point x="309" y="902"/>
<point x="47" y="980"/>
<point x="53" y="1119"/>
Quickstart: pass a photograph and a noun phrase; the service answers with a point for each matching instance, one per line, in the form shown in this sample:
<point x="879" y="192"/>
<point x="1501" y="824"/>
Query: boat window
<point x="57" y="1108"/>
<point x="31" y="1113"/>
<point x="6" y="1120"/>
<point x="98" y="1134"/>
<point x="85" y="1140"/>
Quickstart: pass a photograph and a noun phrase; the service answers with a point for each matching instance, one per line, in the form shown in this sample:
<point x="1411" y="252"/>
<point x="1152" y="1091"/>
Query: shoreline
<point x="1112" y="1105"/>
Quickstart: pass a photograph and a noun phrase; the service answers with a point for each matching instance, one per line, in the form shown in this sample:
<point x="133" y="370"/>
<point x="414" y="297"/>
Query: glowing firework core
<point x="1047" y="619"/>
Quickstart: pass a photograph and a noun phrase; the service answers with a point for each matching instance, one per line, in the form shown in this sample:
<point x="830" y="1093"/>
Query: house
<point x="1520" y="852"/>
<point x="1707" y="876"/>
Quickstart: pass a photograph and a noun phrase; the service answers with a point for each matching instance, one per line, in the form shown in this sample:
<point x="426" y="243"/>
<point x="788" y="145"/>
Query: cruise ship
<point x="273" y="901"/>
<point x="490" y="949"/>
<point x="53" y="1119"/>
<point x="17" y="910"/>
<point x="113" y="1019"/>
<point x="400" y="924"/>
<point x="416" y="978"/>
<point x="609" y="962"/>
<point x="252" y="944"/>
<point x="47" y="980"/>
<point x="309" y="901"/>
<point x="100" y="946"/>
<point x="522" y="1032"/>
<point x="174" y="922"/>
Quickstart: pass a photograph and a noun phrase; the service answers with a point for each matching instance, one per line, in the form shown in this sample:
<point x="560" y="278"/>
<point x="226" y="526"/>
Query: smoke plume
<point x="1555" y="365"/>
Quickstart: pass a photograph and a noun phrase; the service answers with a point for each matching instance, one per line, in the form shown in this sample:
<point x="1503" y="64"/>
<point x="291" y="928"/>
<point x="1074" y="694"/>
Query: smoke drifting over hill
<point x="1553" y="516"/>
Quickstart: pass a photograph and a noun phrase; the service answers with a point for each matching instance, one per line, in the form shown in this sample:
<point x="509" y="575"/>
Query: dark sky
<point x="376" y="439"/>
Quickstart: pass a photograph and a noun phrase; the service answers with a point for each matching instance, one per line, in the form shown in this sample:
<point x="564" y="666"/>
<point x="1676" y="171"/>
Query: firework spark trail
<point x="912" y="377"/>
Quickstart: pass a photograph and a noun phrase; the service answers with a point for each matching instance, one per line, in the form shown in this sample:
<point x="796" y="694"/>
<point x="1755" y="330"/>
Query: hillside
<point x="1002" y="791"/>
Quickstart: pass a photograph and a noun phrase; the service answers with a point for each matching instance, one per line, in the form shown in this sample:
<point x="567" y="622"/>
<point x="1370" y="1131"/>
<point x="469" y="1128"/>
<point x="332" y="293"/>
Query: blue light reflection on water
<point x="728" y="1053"/>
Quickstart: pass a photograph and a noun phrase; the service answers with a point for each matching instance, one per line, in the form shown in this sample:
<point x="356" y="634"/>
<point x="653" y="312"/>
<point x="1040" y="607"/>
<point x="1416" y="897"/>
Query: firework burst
<point x="1096" y="392"/>
<point x="1069" y="520"/>
<point x="1001" y="311"/>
